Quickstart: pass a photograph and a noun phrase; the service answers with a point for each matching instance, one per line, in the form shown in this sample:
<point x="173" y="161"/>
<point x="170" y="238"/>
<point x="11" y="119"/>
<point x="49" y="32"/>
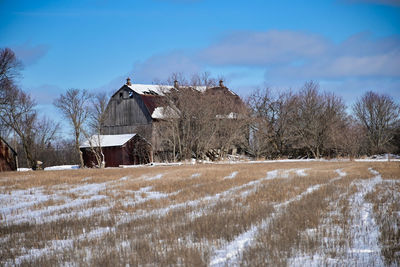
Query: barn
<point x="8" y="157"/>
<point x="119" y="149"/>
<point x="133" y="108"/>
<point x="138" y="108"/>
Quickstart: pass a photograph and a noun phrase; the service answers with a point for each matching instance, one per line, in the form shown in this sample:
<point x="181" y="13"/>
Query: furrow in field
<point x="231" y="253"/>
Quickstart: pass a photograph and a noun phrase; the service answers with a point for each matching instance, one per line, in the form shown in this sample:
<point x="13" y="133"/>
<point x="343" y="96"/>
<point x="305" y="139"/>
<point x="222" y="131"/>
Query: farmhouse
<point x="120" y="149"/>
<point x="8" y="157"/>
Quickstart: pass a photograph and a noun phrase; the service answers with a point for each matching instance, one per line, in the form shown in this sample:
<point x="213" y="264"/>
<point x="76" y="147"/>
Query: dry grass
<point x="184" y="215"/>
<point x="386" y="205"/>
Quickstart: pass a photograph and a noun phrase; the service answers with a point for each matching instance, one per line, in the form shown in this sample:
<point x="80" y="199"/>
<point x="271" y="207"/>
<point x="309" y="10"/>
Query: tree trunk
<point x="82" y="164"/>
<point x="31" y="160"/>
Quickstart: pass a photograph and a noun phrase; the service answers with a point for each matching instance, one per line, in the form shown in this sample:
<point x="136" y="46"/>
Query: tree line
<point x="312" y="123"/>
<point x="309" y="123"/>
<point x="203" y="123"/>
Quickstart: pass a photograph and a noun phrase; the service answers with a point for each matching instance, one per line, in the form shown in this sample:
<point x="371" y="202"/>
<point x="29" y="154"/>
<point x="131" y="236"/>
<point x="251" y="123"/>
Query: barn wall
<point x="7" y="158"/>
<point x="112" y="155"/>
<point x="126" y="112"/>
<point x="144" y="130"/>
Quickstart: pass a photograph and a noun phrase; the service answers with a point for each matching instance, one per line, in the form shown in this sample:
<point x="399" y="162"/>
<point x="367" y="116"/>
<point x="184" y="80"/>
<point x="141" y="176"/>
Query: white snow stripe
<point x="231" y="253"/>
<point x="232" y="175"/>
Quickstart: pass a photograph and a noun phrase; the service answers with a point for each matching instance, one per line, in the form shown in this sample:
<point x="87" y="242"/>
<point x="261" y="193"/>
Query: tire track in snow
<point x="320" y="258"/>
<point x="365" y="248"/>
<point x="230" y="254"/>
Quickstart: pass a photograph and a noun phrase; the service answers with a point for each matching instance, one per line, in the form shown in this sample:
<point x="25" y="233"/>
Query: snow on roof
<point x="145" y="89"/>
<point x="108" y="140"/>
<point x="163" y="113"/>
<point x="150" y="89"/>
<point x="158" y="113"/>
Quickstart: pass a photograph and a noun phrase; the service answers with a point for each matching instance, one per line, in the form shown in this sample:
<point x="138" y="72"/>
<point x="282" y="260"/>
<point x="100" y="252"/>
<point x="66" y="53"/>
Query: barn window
<point x="131" y="94"/>
<point x="121" y="95"/>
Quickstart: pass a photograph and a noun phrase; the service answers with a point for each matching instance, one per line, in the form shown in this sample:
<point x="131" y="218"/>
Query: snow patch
<point x="157" y="177"/>
<point x="341" y="172"/>
<point x="301" y="172"/>
<point x="232" y="175"/>
<point x="24" y="169"/>
<point x="195" y="175"/>
<point x="365" y="246"/>
<point x="62" y="167"/>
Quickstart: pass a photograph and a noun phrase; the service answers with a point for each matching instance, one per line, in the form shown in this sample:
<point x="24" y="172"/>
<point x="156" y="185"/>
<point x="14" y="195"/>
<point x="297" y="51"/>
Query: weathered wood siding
<point x="7" y="157"/>
<point x="125" y="113"/>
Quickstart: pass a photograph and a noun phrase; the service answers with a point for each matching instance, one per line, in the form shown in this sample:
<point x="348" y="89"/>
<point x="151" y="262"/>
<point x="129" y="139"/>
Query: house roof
<point x="107" y="140"/>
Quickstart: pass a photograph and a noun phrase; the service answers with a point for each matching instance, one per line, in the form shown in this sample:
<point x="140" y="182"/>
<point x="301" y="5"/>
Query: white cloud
<point x="260" y="48"/>
<point x="288" y="59"/>
<point x="308" y="56"/>
<point x="29" y="53"/>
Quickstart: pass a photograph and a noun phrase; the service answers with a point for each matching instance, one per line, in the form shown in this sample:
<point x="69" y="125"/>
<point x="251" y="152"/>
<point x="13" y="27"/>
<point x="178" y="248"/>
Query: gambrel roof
<point x="152" y="95"/>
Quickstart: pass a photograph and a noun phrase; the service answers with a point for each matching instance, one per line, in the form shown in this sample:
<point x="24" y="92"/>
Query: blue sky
<point x="348" y="46"/>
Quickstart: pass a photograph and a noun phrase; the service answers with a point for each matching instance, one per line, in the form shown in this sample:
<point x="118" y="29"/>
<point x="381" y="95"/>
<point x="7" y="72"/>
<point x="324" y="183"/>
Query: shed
<point x="8" y="157"/>
<point x="120" y="149"/>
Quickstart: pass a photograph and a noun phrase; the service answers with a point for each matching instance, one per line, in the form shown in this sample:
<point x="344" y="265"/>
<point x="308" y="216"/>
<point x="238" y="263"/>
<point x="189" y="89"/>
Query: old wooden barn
<point x="120" y="149"/>
<point x="138" y="108"/>
<point x="8" y="157"/>
<point x="132" y="108"/>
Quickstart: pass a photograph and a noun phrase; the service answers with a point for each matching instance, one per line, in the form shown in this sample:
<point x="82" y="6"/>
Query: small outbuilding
<point x="8" y="157"/>
<point x="119" y="149"/>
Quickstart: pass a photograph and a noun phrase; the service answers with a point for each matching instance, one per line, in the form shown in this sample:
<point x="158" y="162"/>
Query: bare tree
<point x="17" y="111"/>
<point x="19" y="114"/>
<point x="74" y="105"/>
<point x="349" y="139"/>
<point x="45" y="133"/>
<point x="315" y="117"/>
<point x="34" y="133"/>
<point x="270" y="123"/>
<point x="97" y="118"/>
<point x="379" y="115"/>
<point x="260" y="135"/>
<point x="199" y="118"/>
<point x="10" y="67"/>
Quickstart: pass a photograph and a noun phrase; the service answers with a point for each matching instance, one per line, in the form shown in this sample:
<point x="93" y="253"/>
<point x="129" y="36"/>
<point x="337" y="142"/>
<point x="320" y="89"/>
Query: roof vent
<point x="221" y="83"/>
<point x="128" y="81"/>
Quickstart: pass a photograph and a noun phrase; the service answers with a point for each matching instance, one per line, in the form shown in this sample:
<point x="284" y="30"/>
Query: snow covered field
<point x="285" y="213"/>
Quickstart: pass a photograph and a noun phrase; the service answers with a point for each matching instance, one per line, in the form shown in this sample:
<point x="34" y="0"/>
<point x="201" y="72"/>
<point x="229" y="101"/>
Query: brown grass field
<point x="257" y="214"/>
